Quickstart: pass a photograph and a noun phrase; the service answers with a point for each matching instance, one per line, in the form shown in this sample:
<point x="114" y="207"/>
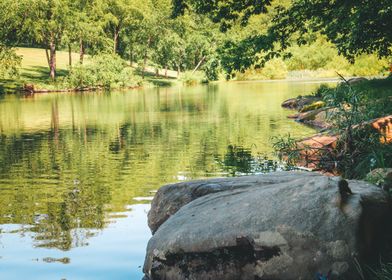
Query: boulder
<point x="299" y="102"/>
<point x="317" y="118"/>
<point x="314" y="106"/>
<point x="357" y="80"/>
<point x="284" y="225"/>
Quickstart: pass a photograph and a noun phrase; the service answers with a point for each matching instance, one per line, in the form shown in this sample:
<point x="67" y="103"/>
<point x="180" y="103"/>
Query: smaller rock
<point x="314" y="106"/>
<point x="317" y="118"/>
<point x="299" y="102"/>
<point x="355" y="81"/>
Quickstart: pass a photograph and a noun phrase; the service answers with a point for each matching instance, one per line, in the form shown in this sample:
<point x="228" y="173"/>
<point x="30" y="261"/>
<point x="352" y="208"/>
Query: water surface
<point x="77" y="171"/>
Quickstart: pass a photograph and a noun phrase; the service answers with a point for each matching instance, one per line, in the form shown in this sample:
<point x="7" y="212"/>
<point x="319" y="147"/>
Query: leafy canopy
<point x="355" y="27"/>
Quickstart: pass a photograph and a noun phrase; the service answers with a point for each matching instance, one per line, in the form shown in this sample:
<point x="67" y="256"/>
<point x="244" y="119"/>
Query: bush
<point x="103" y="70"/>
<point x="127" y="78"/>
<point x="359" y="148"/>
<point x="369" y="65"/>
<point x="211" y="69"/>
<point x="189" y="79"/>
<point x="275" y="69"/>
<point x="81" y="76"/>
<point x="10" y="63"/>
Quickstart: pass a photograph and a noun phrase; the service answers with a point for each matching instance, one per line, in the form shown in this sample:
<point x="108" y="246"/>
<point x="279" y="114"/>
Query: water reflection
<point x="239" y="161"/>
<point x="69" y="161"/>
<point x="115" y="253"/>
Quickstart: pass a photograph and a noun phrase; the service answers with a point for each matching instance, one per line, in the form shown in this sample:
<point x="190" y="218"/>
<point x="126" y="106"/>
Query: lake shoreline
<point x="336" y="125"/>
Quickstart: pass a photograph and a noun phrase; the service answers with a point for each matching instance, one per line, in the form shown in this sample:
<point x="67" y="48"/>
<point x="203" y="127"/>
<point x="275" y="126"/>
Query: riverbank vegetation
<point x="358" y="117"/>
<point x="240" y="43"/>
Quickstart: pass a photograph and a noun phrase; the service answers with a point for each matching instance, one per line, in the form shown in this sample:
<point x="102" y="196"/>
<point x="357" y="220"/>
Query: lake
<point x="78" y="171"/>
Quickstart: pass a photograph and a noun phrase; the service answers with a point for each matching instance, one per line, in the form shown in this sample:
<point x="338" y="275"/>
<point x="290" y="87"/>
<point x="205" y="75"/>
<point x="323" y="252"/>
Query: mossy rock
<point x="313" y="106"/>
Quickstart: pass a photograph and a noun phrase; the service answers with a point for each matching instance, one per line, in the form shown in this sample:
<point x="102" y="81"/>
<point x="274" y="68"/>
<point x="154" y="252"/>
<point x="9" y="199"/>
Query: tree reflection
<point x="239" y="160"/>
<point x="67" y="161"/>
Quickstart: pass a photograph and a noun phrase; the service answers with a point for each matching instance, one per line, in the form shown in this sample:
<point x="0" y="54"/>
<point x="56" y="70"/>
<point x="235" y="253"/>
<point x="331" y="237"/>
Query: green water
<point x="77" y="171"/>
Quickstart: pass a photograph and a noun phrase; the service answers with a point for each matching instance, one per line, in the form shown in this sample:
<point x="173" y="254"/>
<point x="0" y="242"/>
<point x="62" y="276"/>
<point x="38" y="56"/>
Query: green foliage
<point x="368" y="65"/>
<point x="322" y="55"/>
<point x="226" y="12"/>
<point x="104" y="70"/>
<point x="273" y="69"/>
<point x="383" y="273"/>
<point x="354" y="27"/>
<point x="10" y="63"/>
<point x="360" y="148"/>
<point x="287" y="149"/>
<point x="190" y="79"/>
<point x="322" y="90"/>
<point x="312" y="56"/>
<point x="145" y="32"/>
<point x="211" y="69"/>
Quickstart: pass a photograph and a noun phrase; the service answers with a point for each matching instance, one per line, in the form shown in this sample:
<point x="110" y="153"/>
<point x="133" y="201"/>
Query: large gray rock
<point x="285" y="225"/>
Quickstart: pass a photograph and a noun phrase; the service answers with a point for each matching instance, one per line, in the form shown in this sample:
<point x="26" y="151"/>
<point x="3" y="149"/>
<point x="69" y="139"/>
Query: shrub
<point x="275" y="69"/>
<point x="10" y="63"/>
<point x="359" y="148"/>
<point x="188" y="78"/>
<point x="103" y="70"/>
<point x="211" y="69"/>
<point x="81" y="76"/>
<point x="369" y="65"/>
<point x="127" y="78"/>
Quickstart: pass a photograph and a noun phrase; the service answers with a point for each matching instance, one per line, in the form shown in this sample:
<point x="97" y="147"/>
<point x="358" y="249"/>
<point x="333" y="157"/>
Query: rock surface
<point x="354" y="81"/>
<point x="284" y="225"/>
<point x="299" y="102"/>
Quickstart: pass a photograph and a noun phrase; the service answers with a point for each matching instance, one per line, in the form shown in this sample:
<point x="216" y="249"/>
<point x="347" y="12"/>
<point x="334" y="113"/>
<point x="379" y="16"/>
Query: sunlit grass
<point x="35" y="65"/>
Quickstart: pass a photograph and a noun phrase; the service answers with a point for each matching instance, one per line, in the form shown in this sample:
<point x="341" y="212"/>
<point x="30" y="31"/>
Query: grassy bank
<point x="34" y="70"/>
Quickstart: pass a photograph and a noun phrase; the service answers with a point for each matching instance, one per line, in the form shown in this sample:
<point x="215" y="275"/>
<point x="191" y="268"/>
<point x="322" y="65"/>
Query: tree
<point x="85" y="25"/>
<point x="46" y="22"/>
<point x="121" y="14"/>
<point x="355" y="27"/>
<point x="225" y="12"/>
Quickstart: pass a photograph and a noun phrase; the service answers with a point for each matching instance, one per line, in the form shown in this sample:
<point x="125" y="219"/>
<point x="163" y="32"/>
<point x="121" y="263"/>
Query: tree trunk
<point x="52" y="60"/>
<point x="166" y="71"/>
<point x="144" y="63"/>
<point x="115" y="39"/>
<point x="178" y="70"/>
<point x="70" y="56"/>
<point x="131" y="56"/>
<point x="81" y="51"/>
<point x="47" y="56"/>
<point x="199" y="64"/>
<point x="145" y="56"/>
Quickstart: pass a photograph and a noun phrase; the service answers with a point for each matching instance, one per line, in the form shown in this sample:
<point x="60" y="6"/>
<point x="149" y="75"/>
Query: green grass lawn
<point x="35" y="65"/>
<point x="35" y="70"/>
